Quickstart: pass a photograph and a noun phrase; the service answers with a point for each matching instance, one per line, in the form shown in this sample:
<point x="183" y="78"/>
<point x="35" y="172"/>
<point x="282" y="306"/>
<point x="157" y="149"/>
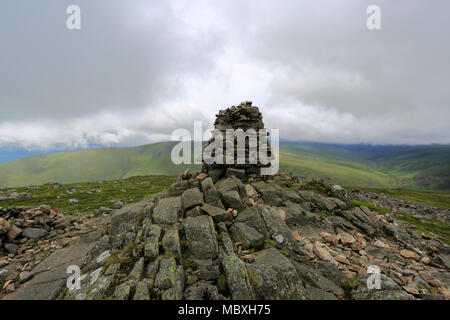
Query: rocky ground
<point x="395" y="204"/>
<point x="229" y="239"/>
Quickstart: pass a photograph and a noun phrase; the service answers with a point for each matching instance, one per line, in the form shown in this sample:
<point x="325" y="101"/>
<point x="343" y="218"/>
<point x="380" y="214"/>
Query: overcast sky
<point x="137" y="70"/>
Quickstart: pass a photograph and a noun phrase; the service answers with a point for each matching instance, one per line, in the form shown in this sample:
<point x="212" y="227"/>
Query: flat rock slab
<point x="51" y="274"/>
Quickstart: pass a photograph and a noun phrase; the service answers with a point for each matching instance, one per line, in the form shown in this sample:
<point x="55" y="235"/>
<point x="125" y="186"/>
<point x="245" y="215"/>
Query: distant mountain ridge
<point x="413" y="167"/>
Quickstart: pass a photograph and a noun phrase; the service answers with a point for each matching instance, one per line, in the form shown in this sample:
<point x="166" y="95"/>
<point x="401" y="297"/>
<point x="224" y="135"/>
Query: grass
<point x="127" y="190"/>
<point x="372" y="206"/>
<point x="439" y="199"/>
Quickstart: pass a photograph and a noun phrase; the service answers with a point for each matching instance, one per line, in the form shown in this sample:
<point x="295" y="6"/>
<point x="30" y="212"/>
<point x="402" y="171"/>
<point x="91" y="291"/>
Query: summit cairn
<point x="241" y="159"/>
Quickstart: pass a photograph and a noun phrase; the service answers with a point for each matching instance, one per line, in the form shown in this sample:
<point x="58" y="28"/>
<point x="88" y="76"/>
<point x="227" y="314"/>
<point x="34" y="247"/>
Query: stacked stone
<point x="245" y="117"/>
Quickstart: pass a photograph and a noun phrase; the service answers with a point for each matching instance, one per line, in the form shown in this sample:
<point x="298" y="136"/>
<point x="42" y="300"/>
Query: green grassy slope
<point x="375" y="167"/>
<point x="90" y="165"/>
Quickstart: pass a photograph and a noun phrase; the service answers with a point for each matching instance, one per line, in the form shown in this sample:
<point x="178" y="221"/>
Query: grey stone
<point x="279" y="231"/>
<point x="227" y="243"/>
<point x="274" y="277"/>
<point x="444" y="259"/>
<point x="270" y="196"/>
<point x="170" y="279"/>
<point x="227" y="184"/>
<point x="34" y="233"/>
<point x="212" y="197"/>
<point x="201" y="237"/>
<point x="166" y="212"/>
<point x="101" y="246"/>
<point x="297" y="215"/>
<point x="73" y="201"/>
<point x="171" y="243"/>
<point x="194" y="212"/>
<point x="127" y="218"/>
<point x="191" y="198"/>
<point x="122" y="291"/>
<point x="238" y="173"/>
<point x="207" y="184"/>
<point x="252" y="217"/>
<point x="202" y="290"/>
<point x="103" y="284"/>
<point x="218" y="214"/>
<point x="237" y="278"/>
<point x="152" y="234"/>
<point x="178" y="188"/>
<point x="137" y="271"/>
<point x="25" y="276"/>
<point x="142" y="291"/>
<point x="249" y="237"/>
<point x="318" y="294"/>
<point x="117" y="205"/>
<point x="216" y="174"/>
<point x="231" y="199"/>
<point x="375" y="251"/>
<point x="11" y="247"/>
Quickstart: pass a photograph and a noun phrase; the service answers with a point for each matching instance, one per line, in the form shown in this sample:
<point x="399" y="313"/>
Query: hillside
<point x="420" y="167"/>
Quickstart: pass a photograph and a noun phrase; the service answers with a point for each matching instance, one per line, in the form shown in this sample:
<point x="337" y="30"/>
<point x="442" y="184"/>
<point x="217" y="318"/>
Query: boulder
<point x="273" y="277"/>
<point x="231" y="199"/>
<point x="212" y="196"/>
<point x="249" y="237"/>
<point x="191" y="198"/>
<point x="152" y="235"/>
<point x="218" y="214"/>
<point x="166" y="211"/>
<point x="171" y="243"/>
<point x="201" y="237"/>
<point x="170" y="280"/>
<point x="34" y="233"/>
<point x="126" y="219"/>
<point x="237" y="278"/>
<point x="252" y="217"/>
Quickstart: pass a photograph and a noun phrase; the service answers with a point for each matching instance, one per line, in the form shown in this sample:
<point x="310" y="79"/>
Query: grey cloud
<point x="128" y="55"/>
<point x="140" y="69"/>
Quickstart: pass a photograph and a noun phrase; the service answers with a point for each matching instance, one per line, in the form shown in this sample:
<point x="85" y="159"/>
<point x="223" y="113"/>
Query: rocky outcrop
<point x="394" y="204"/>
<point x="306" y="246"/>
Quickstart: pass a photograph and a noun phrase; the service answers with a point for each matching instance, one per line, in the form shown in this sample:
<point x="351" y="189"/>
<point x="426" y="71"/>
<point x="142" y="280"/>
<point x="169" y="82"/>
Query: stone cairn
<point x="245" y="117"/>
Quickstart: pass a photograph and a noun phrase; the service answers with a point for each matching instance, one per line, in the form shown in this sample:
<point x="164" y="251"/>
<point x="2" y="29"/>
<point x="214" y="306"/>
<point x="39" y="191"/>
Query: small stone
<point x="297" y="236"/>
<point x="14" y="232"/>
<point x="117" y="205"/>
<point x="251" y="192"/>
<point x="11" y="247"/>
<point x="411" y="290"/>
<point x="25" y="276"/>
<point x="73" y="201"/>
<point x="357" y="245"/>
<point x="342" y="259"/>
<point x="331" y="238"/>
<point x="425" y="260"/>
<point x="218" y="214"/>
<point x="380" y="244"/>
<point x="409" y="254"/>
<point x="346" y="238"/>
<point x="201" y="176"/>
<point x="322" y="253"/>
